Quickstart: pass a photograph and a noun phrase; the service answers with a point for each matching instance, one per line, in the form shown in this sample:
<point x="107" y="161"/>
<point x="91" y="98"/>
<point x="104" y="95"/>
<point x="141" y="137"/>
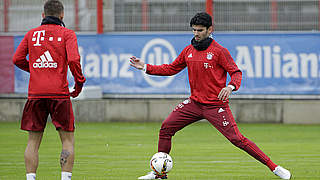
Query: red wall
<point x="6" y="65"/>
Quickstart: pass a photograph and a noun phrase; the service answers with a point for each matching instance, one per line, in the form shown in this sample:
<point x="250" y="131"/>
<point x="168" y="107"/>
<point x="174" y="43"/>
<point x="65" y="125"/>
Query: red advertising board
<point x="6" y="65"/>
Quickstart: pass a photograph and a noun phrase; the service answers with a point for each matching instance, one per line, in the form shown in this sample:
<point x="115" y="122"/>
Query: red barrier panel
<point x="6" y="65"/>
<point x="99" y="16"/>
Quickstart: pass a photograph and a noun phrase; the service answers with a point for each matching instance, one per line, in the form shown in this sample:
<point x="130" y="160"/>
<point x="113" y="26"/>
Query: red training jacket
<point x="207" y="71"/>
<point x="51" y="49"/>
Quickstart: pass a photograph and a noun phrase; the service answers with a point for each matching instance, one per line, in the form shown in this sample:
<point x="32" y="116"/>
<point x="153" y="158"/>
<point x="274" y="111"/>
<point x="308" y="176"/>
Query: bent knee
<point x="167" y="131"/>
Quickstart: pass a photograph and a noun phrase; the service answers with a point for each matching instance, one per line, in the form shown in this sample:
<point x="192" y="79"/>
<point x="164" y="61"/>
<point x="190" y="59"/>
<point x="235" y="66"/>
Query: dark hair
<point x="53" y="8"/>
<point x="201" y="18"/>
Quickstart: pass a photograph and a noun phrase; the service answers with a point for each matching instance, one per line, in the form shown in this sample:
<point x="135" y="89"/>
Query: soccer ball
<point x="161" y="163"/>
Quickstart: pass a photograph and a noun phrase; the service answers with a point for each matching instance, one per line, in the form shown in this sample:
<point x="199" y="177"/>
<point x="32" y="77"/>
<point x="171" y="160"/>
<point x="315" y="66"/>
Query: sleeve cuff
<point x="145" y="68"/>
<point x="231" y="86"/>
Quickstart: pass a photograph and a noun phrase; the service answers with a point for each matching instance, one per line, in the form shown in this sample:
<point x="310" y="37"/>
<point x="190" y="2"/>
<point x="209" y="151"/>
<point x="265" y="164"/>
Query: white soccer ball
<point x="161" y="163"/>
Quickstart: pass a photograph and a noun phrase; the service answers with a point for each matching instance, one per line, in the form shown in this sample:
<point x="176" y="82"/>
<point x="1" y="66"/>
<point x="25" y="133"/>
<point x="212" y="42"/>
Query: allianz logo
<point x="158" y="51"/>
<point x="45" y="61"/>
<point x="270" y="62"/>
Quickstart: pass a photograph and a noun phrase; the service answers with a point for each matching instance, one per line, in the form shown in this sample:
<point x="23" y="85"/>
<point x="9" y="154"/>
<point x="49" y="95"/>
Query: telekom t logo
<point x="38" y="36"/>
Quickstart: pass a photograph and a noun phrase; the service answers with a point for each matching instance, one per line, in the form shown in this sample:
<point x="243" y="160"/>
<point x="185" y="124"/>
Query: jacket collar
<point x="52" y="20"/>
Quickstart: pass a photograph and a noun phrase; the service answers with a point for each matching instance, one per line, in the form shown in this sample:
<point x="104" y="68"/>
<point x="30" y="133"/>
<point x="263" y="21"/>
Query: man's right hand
<point x="137" y="63"/>
<point x="76" y="90"/>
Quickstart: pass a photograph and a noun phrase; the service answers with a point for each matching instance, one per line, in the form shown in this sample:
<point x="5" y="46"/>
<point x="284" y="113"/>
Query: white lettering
<point x="258" y="60"/>
<point x="267" y="61"/>
<point x="276" y="62"/>
<point x="45" y="61"/>
<point x="106" y="60"/>
<point x="110" y="65"/>
<point x="243" y="60"/>
<point x="37" y="37"/>
<point x="305" y="60"/>
<point x="290" y="69"/>
<point x="124" y="70"/>
<point x="92" y="68"/>
<point x="206" y="65"/>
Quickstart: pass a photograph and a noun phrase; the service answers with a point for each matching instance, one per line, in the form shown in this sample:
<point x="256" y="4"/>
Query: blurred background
<point x="167" y="15"/>
<point x="274" y="42"/>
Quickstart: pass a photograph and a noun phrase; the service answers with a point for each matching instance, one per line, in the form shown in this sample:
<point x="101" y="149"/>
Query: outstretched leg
<point x="223" y="120"/>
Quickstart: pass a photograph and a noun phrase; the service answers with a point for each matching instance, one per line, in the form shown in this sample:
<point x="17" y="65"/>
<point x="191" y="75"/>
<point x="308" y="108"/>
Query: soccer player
<point x="208" y="64"/>
<point x="51" y="48"/>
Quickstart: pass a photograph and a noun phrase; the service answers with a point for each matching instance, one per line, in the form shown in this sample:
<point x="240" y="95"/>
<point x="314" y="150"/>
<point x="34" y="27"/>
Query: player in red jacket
<point x="51" y="48"/>
<point x="208" y="64"/>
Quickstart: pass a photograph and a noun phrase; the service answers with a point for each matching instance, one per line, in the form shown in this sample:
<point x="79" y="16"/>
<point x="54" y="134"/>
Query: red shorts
<point x="36" y="111"/>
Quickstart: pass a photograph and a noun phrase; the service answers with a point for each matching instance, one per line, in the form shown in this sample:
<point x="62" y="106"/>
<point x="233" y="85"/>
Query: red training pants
<point x="221" y="118"/>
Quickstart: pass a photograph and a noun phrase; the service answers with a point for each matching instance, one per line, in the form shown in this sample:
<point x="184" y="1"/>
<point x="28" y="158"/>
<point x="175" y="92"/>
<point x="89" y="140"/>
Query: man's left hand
<point x="77" y="89"/>
<point x="225" y="93"/>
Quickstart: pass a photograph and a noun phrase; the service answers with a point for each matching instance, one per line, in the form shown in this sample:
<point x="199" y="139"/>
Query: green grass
<point x="117" y="151"/>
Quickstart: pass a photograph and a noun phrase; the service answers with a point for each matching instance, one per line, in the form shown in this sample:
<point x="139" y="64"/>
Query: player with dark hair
<point x="208" y="64"/>
<point x="51" y="48"/>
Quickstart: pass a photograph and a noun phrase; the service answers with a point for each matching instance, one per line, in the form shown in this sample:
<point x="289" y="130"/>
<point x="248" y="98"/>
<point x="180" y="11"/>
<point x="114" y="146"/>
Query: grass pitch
<point x="117" y="151"/>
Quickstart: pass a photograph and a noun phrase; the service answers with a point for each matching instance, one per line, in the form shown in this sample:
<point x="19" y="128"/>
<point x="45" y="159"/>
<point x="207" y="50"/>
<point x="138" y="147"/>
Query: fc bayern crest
<point x="209" y="56"/>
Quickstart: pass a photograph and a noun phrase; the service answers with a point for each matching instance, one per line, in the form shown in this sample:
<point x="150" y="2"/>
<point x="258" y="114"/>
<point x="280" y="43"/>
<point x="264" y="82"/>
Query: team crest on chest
<point x="210" y="55"/>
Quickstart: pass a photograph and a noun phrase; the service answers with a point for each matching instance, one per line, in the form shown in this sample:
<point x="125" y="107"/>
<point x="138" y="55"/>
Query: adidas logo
<point x="220" y="110"/>
<point x="190" y="55"/>
<point x="45" y="61"/>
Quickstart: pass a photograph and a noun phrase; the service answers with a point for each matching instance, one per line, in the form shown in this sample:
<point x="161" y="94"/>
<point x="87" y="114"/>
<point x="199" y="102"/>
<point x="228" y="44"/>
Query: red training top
<point x="51" y="49"/>
<point x="207" y="71"/>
